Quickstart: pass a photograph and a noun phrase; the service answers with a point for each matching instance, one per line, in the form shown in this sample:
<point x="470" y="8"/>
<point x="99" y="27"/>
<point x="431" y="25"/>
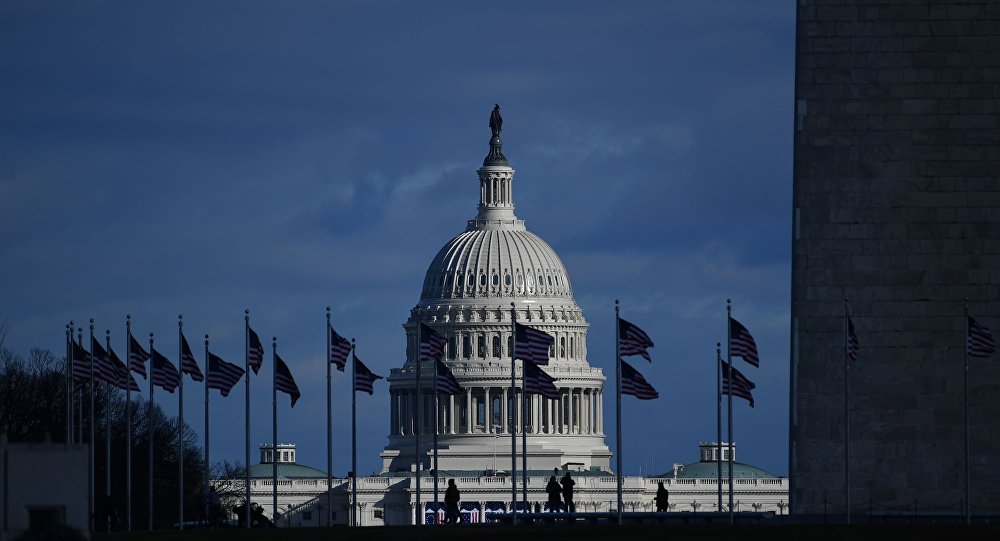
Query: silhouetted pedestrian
<point x="567" y="493"/>
<point x="555" y="494"/>
<point x="662" y="498"/>
<point x="451" y="498"/>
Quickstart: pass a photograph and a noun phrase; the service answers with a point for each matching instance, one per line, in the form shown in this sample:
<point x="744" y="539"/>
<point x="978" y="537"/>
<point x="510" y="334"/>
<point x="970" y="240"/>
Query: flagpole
<point x="417" y="421"/>
<point x="718" y="420"/>
<point x="149" y="427"/>
<point x="847" y="412"/>
<point x="69" y="383"/>
<point x="434" y="389"/>
<point x="90" y="447"/>
<point x="354" y="440"/>
<point x="618" y="409"/>
<point x="79" y="395"/>
<point x="128" y="422"/>
<point x="246" y="358"/>
<point x="968" y="501"/>
<point x="524" y="438"/>
<point x="729" y="415"/>
<point x="180" y="423"/>
<point x="107" y="436"/>
<point x="513" y="436"/>
<point x="274" y="430"/>
<point x="329" y="424"/>
<point x="208" y="374"/>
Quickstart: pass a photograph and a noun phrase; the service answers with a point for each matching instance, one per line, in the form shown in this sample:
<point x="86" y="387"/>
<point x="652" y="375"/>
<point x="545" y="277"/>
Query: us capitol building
<point x="467" y="297"/>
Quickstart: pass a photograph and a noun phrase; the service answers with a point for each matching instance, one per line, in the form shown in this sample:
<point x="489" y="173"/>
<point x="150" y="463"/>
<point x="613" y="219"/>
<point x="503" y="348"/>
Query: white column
<point x="468" y="410"/>
<point x="452" y="418"/>
<point x="503" y="411"/>
<point x="572" y="411"/>
<point x="486" y="409"/>
<point x="536" y="414"/>
<point x="394" y="415"/>
<point x="548" y="415"/>
<point x="517" y="411"/>
<point x="600" y="412"/>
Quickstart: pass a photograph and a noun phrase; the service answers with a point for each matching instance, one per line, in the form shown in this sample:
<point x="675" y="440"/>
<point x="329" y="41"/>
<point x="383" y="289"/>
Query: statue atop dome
<point x="496" y="121"/>
<point x="495" y="156"/>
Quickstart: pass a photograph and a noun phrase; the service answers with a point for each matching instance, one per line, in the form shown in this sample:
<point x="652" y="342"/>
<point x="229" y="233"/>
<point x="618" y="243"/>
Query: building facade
<point x="896" y="195"/>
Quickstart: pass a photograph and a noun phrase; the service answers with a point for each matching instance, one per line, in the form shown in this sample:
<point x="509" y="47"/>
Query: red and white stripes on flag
<point x="852" y="341"/>
<point x="137" y="356"/>
<point x="979" y="341"/>
<point x="255" y="351"/>
<point x="123" y="378"/>
<point x="531" y="344"/>
<point x="741" y="387"/>
<point x="164" y="373"/>
<point x="188" y="363"/>
<point x="81" y="363"/>
<point x="340" y="348"/>
<point x="363" y="377"/>
<point x="634" y="384"/>
<point x="222" y="375"/>
<point x="103" y="369"/>
<point x="432" y="344"/>
<point x="537" y="381"/>
<point x="283" y="380"/>
<point x="632" y="340"/>
<point x="741" y="343"/>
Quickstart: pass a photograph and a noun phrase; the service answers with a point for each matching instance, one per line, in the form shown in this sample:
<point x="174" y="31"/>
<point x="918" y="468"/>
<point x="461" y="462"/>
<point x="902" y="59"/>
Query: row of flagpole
<point x="84" y="365"/>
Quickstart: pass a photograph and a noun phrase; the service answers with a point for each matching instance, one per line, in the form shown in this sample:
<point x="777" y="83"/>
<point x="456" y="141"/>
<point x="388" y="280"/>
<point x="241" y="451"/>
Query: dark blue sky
<point x="202" y="158"/>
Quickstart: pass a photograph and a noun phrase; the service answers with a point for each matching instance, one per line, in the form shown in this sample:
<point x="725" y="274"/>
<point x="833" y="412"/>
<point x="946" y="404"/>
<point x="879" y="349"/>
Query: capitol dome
<point x="477" y="284"/>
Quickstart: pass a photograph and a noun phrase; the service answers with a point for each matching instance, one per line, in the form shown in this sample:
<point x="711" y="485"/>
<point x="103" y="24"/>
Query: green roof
<point x="709" y="470"/>
<point x="286" y="471"/>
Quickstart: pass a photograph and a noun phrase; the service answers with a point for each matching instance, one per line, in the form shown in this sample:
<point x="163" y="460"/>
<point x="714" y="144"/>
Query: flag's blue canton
<point x="188" y="363"/>
<point x="446" y="382"/>
<point x="432" y="344"/>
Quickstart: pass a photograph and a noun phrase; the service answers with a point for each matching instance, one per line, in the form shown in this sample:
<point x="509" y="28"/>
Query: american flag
<point x="431" y="343"/>
<point x="741" y="385"/>
<point x="741" y="343"/>
<point x="446" y="382"/>
<point x="81" y="363"/>
<point x="188" y="363"/>
<point x="165" y="374"/>
<point x="103" y="369"/>
<point x="363" y="377"/>
<point x="852" y="341"/>
<point x="632" y="340"/>
<point x="123" y="379"/>
<point x="979" y="342"/>
<point x="634" y="384"/>
<point x="283" y="380"/>
<point x="222" y="375"/>
<point x="137" y="356"/>
<point x="531" y="344"/>
<point x="255" y="351"/>
<point x="537" y="381"/>
<point x="340" y="348"/>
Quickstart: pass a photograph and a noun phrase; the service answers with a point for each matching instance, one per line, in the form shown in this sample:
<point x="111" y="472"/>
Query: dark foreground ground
<point x="581" y="532"/>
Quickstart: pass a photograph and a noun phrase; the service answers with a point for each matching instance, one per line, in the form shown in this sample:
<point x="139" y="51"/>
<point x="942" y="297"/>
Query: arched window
<point x="496" y="347"/>
<point x="452" y="347"/>
<point x="482" y="279"/>
<point x="506" y="280"/>
<point x="482" y="346"/>
<point x="496" y="279"/>
<point x="466" y="347"/>
<point x="562" y="347"/>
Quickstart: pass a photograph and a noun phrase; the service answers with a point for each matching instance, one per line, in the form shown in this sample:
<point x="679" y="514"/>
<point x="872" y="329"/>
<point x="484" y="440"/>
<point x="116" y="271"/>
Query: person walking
<point x="567" y="493"/>
<point x="662" y="498"/>
<point x="451" y="498"/>
<point x="555" y="494"/>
